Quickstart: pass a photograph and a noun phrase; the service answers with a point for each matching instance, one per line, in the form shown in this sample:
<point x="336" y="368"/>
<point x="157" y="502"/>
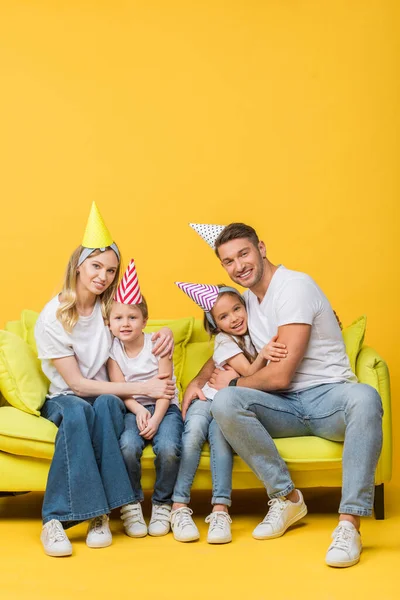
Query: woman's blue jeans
<point x="200" y="426"/>
<point x="87" y="476"/>
<point x="167" y="448"/>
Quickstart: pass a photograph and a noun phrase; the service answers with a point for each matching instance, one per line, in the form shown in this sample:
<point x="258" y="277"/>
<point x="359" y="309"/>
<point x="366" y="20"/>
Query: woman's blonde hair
<point x="67" y="312"/>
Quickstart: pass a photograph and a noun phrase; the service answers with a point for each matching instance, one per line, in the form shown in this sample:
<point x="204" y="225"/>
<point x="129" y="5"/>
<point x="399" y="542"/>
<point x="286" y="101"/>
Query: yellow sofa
<point x="27" y="441"/>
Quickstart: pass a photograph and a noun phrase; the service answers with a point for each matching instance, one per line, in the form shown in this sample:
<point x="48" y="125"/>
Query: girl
<point x="87" y="476"/>
<point x="224" y="316"/>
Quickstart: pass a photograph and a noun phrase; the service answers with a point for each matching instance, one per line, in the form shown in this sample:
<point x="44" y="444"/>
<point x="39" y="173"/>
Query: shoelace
<point x="132" y="514"/>
<point x="342" y="538"/>
<point x="276" y="506"/>
<point x="97" y="523"/>
<point x="182" y="516"/>
<point x="56" y="532"/>
<point x="218" y="519"/>
<point x="160" y="513"/>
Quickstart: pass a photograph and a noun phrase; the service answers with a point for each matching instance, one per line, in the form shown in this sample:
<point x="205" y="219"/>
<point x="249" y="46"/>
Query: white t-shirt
<point x="89" y="342"/>
<point x="225" y="348"/>
<point x="293" y="297"/>
<point x="142" y="367"/>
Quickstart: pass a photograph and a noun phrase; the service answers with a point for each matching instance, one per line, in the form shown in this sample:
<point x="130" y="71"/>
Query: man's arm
<point x="194" y="388"/>
<point x="276" y="375"/>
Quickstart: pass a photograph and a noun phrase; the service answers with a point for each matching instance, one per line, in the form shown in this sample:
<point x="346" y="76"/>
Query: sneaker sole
<point x="221" y="541"/>
<point x="136" y="535"/>
<point x="58" y="554"/>
<point x="159" y="534"/>
<point x="282" y="531"/>
<point x="190" y="539"/>
<point x="94" y="545"/>
<point x="343" y="565"/>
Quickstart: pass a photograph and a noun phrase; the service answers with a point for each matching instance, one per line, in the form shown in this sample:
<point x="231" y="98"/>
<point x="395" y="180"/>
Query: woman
<point x="87" y="476"/>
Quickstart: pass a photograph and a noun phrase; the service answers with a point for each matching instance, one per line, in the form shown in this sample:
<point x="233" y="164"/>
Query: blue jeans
<point x="349" y="412"/>
<point x="87" y="476"/>
<point x="167" y="448"/>
<point x="200" y="426"/>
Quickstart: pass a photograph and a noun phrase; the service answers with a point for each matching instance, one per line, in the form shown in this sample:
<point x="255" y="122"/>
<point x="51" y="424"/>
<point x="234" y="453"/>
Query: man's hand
<point x="221" y="377"/>
<point x="159" y="387"/>
<point x="151" y="428"/>
<point x="193" y="392"/>
<point x="142" y="417"/>
<point x="164" y="342"/>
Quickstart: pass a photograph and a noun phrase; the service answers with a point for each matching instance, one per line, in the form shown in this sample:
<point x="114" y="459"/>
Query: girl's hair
<point x="239" y="340"/>
<point x="67" y="313"/>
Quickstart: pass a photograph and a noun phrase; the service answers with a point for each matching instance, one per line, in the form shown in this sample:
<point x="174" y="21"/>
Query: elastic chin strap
<point x="224" y="288"/>
<point x="86" y="252"/>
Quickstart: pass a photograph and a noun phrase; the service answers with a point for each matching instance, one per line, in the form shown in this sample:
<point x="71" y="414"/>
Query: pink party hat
<point x="209" y="233"/>
<point x="204" y="295"/>
<point x="128" y="291"/>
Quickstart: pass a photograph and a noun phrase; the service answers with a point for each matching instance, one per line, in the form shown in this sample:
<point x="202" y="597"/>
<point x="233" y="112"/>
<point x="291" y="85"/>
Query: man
<point x="312" y="392"/>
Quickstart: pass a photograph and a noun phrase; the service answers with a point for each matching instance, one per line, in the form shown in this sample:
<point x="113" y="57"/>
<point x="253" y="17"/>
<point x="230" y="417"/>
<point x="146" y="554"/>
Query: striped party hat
<point x="204" y="295"/>
<point x="128" y="291"/>
<point x="209" y="233"/>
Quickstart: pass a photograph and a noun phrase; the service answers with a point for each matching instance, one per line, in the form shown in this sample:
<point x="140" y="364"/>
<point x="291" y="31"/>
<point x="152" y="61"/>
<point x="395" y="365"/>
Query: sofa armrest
<point x="372" y="369"/>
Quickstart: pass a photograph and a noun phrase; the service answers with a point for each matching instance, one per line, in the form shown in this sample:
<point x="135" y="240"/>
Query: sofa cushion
<point x="197" y="353"/>
<point x="353" y="337"/>
<point x="25" y="434"/>
<point x="28" y="321"/>
<point x="23" y="385"/>
<point x="182" y="330"/>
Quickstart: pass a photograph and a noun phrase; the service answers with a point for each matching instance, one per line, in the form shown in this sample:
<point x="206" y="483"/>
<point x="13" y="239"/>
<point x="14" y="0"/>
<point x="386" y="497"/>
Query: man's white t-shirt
<point x="225" y="348"/>
<point x="293" y="297"/>
<point x="142" y="367"/>
<point x="89" y="342"/>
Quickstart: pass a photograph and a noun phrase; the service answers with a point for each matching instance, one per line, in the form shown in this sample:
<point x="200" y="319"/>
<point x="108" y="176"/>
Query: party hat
<point x="128" y="291"/>
<point x="96" y="233"/>
<point x="209" y="233"/>
<point x="204" y="295"/>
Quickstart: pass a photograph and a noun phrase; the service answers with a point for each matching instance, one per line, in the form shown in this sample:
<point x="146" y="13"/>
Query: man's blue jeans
<point x="200" y="426"/>
<point x="87" y="476"/>
<point x="349" y="412"/>
<point x="167" y="448"/>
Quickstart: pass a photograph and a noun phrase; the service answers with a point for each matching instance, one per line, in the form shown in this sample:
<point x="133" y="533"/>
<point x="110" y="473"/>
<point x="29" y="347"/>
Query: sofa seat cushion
<point x="25" y="434"/>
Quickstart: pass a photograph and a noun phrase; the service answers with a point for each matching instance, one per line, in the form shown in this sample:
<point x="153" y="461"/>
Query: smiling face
<point x="243" y="261"/>
<point x="230" y="314"/>
<point x="97" y="272"/>
<point x="126" y="321"/>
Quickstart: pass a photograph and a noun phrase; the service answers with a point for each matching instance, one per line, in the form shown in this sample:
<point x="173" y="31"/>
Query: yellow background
<point x="283" y="114"/>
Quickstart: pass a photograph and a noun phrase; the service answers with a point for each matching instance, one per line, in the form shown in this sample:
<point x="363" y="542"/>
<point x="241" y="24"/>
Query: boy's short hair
<point x="235" y="231"/>
<point x="143" y="308"/>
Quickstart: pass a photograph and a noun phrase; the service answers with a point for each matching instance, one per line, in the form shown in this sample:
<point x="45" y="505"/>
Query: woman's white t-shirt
<point x="142" y="367"/>
<point x="89" y="342"/>
<point x="225" y="348"/>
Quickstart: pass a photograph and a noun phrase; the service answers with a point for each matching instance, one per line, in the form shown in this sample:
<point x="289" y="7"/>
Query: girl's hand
<point x="151" y="428"/>
<point x="274" y="351"/>
<point x="221" y="377"/>
<point x="142" y="417"/>
<point x="164" y="342"/>
<point x="159" y="387"/>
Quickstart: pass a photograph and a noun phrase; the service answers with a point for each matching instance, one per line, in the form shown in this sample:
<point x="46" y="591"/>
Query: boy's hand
<point x="151" y="428"/>
<point x="142" y="417"/>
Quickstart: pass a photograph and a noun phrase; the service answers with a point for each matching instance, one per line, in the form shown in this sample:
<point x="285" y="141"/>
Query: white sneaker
<point x="132" y="518"/>
<point x="219" y="531"/>
<point x="98" y="533"/>
<point x="183" y="526"/>
<point x="282" y="514"/>
<point x="346" y="547"/>
<point x="160" y="522"/>
<point x="54" y="539"/>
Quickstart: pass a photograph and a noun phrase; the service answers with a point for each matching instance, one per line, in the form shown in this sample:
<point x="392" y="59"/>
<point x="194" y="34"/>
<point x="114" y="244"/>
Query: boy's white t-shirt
<point x="225" y="348"/>
<point x="89" y="342"/>
<point x="142" y="367"/>
<point x="293" y="297"/>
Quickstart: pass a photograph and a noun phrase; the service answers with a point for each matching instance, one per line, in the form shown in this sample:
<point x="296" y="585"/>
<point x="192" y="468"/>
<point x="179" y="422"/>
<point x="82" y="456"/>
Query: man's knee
<point x="365" y="401"/>
<point x="225" y="404"/>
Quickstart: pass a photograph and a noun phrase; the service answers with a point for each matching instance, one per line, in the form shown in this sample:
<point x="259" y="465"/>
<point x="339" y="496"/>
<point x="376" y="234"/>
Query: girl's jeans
<point x="167" y="448"/>
<point x="200" y="426"/>
<point x="349" y="412"/>
<point x="87" y="476"/>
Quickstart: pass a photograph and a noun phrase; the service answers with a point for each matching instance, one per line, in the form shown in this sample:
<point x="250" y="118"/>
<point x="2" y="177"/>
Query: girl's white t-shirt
<point x="89" y="342"/>
<point x="225" y="348"/>
<point x="142" y="367"/>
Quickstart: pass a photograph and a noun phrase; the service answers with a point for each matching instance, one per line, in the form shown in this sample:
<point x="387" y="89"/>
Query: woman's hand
<point x="164" y="345"/>
<point x="159" y="387"/>
<point x="221" y="377"/>
<point x="193" y="392"/>
<point x="142" y="417"/>
<point x="274" y="351"/>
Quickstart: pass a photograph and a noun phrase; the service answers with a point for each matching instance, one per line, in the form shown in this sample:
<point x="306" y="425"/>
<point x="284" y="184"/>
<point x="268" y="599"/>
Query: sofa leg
<point x="379" y="502"/>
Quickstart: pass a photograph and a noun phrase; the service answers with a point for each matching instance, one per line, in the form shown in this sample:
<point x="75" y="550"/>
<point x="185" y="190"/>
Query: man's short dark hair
<point x="236" y="231"/>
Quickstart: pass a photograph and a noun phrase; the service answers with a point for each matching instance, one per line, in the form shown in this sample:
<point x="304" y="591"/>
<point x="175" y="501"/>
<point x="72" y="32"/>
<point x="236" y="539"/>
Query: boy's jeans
<point x="349" y="412"/>
<point x="200" y="426"/>
<point x="167" y="448"/>
<point x="87" y="475"/>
